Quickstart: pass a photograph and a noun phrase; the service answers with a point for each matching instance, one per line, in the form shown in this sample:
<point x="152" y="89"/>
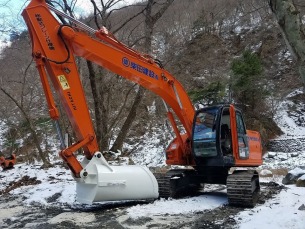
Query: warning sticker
<point x="63" y="81"/>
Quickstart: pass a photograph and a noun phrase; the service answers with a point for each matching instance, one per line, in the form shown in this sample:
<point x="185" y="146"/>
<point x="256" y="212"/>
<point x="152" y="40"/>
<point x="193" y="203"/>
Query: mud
<point x="14" y="214"/>
<point x="23" y="181"/>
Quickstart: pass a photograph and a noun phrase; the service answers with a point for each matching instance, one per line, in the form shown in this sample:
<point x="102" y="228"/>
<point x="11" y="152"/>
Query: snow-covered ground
<point x="54" y="180"/>
<point x="58" y="180"/>
<point x="279" y="212"/>
<point x="57" y="187"/>
<point x="291" y="144"/>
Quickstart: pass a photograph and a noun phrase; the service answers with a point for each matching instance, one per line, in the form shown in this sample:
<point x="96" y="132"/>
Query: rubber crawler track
<point x="243" y="188"/>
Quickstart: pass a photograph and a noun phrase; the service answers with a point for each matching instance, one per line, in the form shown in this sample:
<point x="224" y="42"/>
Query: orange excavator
<point x="214" y="141"/>
<point x="8" y="162"/>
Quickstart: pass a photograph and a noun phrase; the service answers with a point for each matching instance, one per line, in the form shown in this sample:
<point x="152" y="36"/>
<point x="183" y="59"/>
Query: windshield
<point x="204" y="136"/>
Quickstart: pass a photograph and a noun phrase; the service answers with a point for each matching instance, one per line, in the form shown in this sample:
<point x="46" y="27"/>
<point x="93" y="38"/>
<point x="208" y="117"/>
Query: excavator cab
<point x="220" y="141"/>
<point x="220" y="136"/>
<point x="212" y="133"/>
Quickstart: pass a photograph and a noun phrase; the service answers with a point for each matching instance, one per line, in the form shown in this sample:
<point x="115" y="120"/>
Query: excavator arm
<point x="54" y="47"/>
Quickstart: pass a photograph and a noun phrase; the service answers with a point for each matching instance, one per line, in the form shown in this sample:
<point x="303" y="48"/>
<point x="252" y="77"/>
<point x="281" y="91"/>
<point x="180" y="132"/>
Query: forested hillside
<point x="209" y="46"/>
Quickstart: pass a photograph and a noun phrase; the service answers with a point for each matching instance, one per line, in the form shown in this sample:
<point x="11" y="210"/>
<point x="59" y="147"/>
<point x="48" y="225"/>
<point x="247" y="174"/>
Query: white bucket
<point x="101" y="182"/>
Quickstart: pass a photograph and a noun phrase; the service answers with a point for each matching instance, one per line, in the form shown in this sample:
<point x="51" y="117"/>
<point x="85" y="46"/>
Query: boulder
<point x="293" y="175"/>
<point x="271" y="154"/>
<point x="301" y="181"/>
<point x="302" y="207"/>
<point x="283" y="157"/>
<point x="295" y="154"/>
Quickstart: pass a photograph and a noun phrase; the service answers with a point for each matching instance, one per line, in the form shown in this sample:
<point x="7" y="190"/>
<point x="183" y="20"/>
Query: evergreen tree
<point x="247" y="82"/>
<point x="212" y="94"/>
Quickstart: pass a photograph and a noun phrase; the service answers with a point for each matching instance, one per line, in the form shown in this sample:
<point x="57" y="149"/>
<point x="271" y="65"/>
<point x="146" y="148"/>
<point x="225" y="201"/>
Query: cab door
<point x="240" y="145"/>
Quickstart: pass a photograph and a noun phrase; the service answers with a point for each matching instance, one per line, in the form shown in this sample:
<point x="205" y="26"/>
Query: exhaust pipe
<point x="101" y="182"/>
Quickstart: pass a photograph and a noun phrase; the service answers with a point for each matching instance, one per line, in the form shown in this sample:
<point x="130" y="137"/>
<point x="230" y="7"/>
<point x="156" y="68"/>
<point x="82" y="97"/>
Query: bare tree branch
<point x="128" y="20"/>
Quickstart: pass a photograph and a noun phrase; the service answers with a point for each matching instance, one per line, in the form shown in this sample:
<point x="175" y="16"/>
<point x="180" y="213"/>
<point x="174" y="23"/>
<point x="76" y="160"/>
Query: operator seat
<point x="225" y="139"/>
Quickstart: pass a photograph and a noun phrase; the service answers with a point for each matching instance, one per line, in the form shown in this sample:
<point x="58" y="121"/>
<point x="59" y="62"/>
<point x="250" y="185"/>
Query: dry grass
<point x="276" y="172"/>
<point x="280" y="172"/>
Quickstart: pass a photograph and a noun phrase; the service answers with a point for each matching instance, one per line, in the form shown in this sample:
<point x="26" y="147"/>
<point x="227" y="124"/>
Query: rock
<point x="295" y="154"/>
<point x="271" y="154"/>
<point x="297" y="172"/>
<point x="302" y="207"/>
<point x="283" y="157"/>
<point x="301" y="181"/>
<point x="293" y="175"/>
<point x="266" y="173"/>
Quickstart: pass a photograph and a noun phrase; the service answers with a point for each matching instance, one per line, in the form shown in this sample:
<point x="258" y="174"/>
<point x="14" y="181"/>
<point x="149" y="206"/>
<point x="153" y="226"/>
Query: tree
<point x="19" y="85"/>
<point x="31" y="127"/>
<point x="249" y="89"/>
<point x="247" y="86"/>
<point x="108" y="109"/>
<point x="289" y="20"/>
<point x="150" y="21"/>
<point x="104" y="85"/>
<point x="214" y="93"/>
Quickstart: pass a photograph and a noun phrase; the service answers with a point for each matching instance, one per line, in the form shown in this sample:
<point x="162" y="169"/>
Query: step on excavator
<point x="214" y="140"/>
<point x="8" y="162"/>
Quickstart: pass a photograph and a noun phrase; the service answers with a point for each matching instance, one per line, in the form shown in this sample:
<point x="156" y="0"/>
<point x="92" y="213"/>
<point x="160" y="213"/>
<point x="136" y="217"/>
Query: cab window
<point x="204" y="135"/>
<point x="240" y="124"/>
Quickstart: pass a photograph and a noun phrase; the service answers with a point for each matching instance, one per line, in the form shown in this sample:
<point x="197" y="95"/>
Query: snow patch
<point x="80" y="218"/>
<point x="3" y="129"/>
<point x="56" y="180"/>
<point x="302" y="177"/>
<point x="283" y="160"/>
<point x="177" y="206"/>
<point x="297" y="172"/>
<point x="286" y="123"/>
<point x="9" y="212"/>
<point x="3" y="45"/>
